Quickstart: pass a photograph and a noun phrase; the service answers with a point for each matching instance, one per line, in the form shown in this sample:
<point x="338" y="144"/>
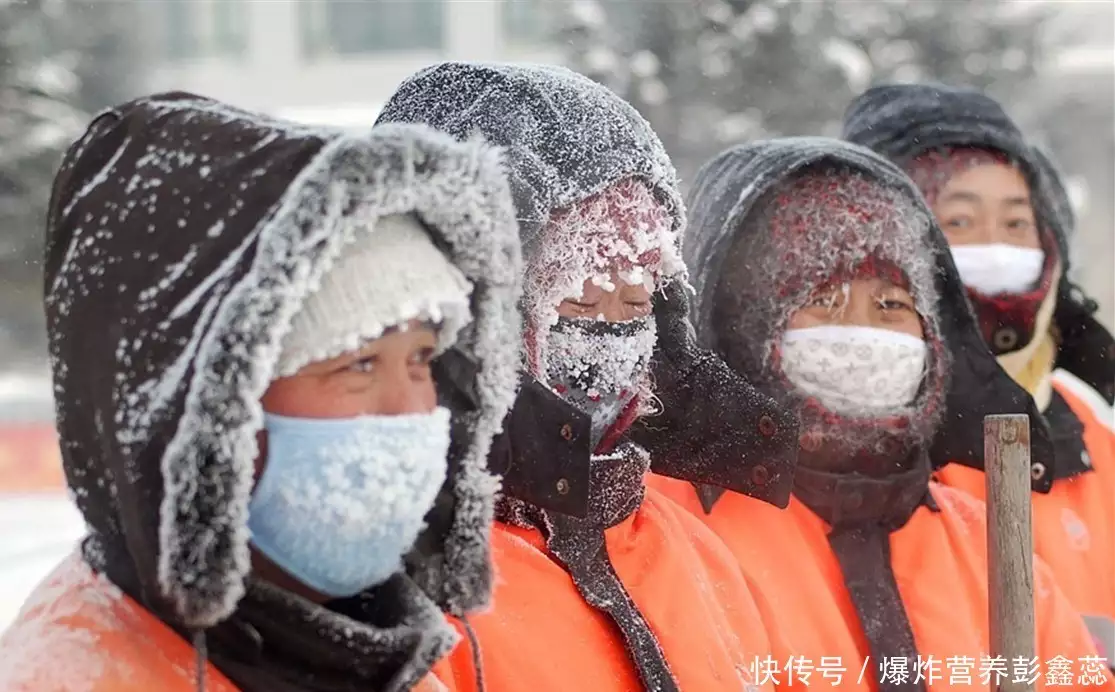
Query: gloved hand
<point x="715" y="428"/>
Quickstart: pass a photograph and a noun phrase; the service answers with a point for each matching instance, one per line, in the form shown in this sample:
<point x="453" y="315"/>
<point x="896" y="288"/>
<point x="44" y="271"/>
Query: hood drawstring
<point x="201" y="662"/>
<point x="477" y="663"/>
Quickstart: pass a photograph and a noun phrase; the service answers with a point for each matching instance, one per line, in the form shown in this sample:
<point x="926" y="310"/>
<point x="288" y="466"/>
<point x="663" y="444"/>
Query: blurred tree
<point x="709" y="73"/>
<point x="60" y="62"/>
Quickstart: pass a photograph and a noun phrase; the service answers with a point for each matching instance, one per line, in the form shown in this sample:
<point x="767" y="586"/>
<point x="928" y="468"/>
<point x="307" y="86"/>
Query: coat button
<point x="1037" y="470"/>
<point x="760" y="475"/>
<point x="567" y="432"/>
<point x="1005" y="339"/>
<point x="767" y="426"/>
<point x="562" y="486"/>
<point x="854" y="500"/>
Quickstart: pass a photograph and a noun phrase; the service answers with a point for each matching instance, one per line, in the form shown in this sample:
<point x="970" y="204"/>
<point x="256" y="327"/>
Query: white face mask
<point x="859" y="371"/>
<point x="998" y="269"/>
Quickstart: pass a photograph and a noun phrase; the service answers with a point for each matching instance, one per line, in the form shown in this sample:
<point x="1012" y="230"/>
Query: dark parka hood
<point x="904" y="121"/>
<point x="182" y="237"/>
<point x="568" y="138"/>
<point x="565" y="139"/>
<point x="565" y="136"/>
<point x="729" y="188"/>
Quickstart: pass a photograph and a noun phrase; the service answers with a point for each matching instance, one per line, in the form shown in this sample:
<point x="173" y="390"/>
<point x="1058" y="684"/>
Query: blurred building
<point x="331" y="61"/>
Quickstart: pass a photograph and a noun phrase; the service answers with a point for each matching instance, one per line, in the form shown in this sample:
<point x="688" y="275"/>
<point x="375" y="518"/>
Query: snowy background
<point x="707" y="73"/>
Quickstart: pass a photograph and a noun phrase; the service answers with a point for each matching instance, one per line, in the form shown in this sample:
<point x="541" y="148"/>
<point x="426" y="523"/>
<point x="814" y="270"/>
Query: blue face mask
<point x="341" y="500"/>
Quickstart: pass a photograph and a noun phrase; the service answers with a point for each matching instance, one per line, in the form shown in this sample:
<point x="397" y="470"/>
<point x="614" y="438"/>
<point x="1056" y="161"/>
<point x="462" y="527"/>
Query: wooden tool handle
<point x="1010" y="541"/>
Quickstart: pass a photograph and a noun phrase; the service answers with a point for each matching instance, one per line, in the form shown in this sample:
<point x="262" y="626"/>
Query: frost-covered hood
<point x="567" y="140"/>
<point x="183" y="235"/>
<point x="566" y="136"/>
<point x="903" y="121"/>
<point x="726" y="192"/>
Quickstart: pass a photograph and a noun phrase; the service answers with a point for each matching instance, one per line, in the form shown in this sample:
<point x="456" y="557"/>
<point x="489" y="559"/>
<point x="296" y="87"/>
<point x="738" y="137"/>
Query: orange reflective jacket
<point x="541" y="635"/>
<point x="939" y="561"/>
<point x="78" y="631"/>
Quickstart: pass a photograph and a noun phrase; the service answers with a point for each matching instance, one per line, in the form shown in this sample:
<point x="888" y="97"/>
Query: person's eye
<point x="363" y="365"/>
<point x="896" y="304"/>
<point x="1020" y="224"/>
<point x="640" y="309"/>
<point x="580" y="304"/>
<point x="824" y="300"/>
<point x="957" y="223"/>
<point x="422" y="356"/>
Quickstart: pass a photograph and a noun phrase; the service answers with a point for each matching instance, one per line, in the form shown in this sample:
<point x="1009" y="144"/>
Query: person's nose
<point x="985" y="232"/>
<point x="399" y="393"/>
<point x="858" y="312"/>
<point x="612" y="307"/>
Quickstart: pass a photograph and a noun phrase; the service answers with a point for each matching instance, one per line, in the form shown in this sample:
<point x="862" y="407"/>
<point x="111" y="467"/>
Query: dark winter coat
<point x="869" y="562"/>
<point x="183" y="236"/>
<point x="628" y="551"/>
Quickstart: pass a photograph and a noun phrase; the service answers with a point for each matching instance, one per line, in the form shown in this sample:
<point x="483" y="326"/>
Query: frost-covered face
<point x="352" y="428"/>
<point x="988" y="205"/>
<point x="587" y="299"/>
<point x="611" y="297"/>
<point x="601" y="344"/>
<point x="863" y="302"/>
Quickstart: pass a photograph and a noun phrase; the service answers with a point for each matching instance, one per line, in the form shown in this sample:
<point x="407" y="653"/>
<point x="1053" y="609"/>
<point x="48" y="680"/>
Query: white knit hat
<point x="385" y="278"/>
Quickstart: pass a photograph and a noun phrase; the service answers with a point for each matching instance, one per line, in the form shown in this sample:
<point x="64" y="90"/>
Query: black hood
<point x="565" y="139"/>
<point x="566" y="136"/>
<point x="904" y="121"/>
<point x="726" y="192"/>
<point x="183" y="235"/>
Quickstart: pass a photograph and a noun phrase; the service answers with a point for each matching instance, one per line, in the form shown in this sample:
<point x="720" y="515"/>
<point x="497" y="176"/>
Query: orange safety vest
<point x="939" y="561"/>
<point x="540" y="634"/>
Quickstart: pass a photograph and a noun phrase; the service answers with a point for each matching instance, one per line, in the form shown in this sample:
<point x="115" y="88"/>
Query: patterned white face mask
<point x="860" y="371"/>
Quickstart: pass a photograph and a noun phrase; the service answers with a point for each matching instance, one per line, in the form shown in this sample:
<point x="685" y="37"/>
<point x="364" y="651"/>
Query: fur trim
<point x="395" y="172"/>
<point x="225" y="365"/>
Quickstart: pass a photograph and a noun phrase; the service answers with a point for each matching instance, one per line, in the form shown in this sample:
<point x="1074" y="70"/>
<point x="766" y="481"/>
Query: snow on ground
<point x="36" y="533"/>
